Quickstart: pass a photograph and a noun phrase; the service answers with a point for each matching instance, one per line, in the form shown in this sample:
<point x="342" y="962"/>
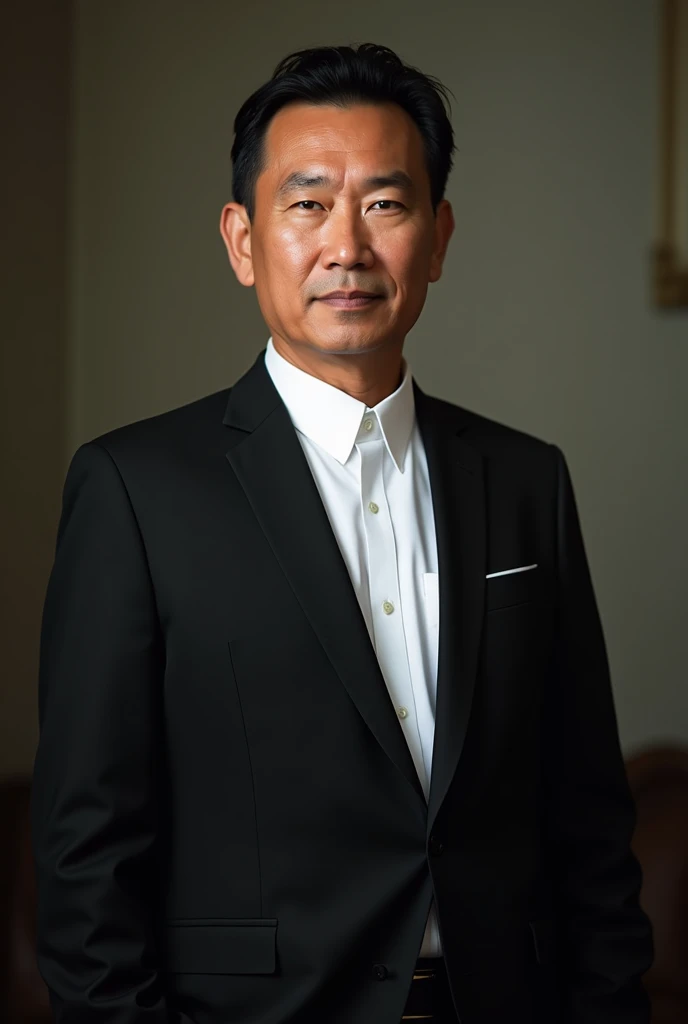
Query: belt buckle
<point x="421" y="974"/>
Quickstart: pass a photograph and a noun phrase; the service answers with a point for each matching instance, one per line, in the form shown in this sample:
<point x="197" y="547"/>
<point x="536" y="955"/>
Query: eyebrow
<point x="298" y="179"/>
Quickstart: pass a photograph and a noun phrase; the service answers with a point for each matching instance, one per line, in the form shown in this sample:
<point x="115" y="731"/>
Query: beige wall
<point x="542" y="320"/>
<point x="34" y="101"/>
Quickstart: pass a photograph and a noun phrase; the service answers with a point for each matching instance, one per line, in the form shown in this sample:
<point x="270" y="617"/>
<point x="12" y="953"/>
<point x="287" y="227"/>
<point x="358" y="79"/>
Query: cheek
<point x="282" y="262"/>
<point x="406" y="257"/>
<point x="291" y="253"/>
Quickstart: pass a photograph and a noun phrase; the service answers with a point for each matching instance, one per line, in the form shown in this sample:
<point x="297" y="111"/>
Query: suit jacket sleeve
<point x="606" y="937"/>
<point x="95" y="804"/>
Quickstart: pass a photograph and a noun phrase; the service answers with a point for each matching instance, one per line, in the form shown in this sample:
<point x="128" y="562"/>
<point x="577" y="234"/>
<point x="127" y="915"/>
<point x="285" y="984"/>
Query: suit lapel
<point x="457" y="481"/>
<point x="268" y="460"/>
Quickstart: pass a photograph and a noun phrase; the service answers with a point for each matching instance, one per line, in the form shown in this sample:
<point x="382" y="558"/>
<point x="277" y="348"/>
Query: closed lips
<point x="350" y="295"/>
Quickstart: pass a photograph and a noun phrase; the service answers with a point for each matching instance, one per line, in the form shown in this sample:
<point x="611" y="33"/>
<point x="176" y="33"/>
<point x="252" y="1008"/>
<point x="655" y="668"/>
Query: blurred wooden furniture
<point x="23" y="994"/>
<point x="659" y="781"/>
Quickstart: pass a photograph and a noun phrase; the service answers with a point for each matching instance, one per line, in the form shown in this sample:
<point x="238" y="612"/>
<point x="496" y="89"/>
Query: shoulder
<point x="175" y="425"/>
<point x="153" y="455"/>
<point x="175" y="434"/>
<point x="517" y="466"/>
<point x="491" y="438"/>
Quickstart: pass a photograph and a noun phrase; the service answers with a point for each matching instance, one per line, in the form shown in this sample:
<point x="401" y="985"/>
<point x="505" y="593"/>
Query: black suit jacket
<point x="227" y="823"/>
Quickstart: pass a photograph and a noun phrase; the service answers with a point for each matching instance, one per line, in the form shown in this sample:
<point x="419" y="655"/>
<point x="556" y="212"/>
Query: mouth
<point x="349" y="300"/>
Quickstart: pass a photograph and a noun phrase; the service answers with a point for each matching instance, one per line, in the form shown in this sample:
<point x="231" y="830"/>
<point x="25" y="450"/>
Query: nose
<point x="347" y="244"/>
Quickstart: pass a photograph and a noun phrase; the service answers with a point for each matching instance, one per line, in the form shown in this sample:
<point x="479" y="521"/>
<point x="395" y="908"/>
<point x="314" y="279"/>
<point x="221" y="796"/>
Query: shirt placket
<point x="383" y="581"/>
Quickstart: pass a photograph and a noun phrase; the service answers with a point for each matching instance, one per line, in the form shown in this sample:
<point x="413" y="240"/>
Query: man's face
<point x="341" y="206"/>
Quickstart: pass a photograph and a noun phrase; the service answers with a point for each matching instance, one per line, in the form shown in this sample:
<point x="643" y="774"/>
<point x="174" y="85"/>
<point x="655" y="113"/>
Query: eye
<point x="307" y="204"/>
<point x="387" y="204"/>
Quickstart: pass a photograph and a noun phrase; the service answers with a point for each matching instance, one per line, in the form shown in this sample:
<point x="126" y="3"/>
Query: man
<point x="327" y="734"/>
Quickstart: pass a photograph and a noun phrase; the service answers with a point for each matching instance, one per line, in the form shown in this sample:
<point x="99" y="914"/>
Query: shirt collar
<point x="332" y="419"/>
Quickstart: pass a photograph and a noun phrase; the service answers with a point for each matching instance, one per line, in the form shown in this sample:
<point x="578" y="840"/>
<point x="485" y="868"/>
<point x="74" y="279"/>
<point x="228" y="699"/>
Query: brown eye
<point x="386" y="204"/>
<point x="307" y="204"/>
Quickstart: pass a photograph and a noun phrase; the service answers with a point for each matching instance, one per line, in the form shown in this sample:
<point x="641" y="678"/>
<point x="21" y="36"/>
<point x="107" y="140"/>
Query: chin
<point x="351" y="342"/>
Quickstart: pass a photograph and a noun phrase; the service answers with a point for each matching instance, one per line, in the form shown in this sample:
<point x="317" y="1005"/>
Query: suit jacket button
<point x="380" y="972"/>
<point x="436" y="846"/>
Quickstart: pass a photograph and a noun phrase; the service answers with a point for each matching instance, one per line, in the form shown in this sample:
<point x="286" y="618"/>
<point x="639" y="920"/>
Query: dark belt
<point x="429" y="997"/>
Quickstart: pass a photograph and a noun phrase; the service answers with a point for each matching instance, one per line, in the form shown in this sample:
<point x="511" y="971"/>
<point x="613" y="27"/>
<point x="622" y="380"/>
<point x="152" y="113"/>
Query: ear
<point x="235" y="228"/>
<point x="444" y="229"/>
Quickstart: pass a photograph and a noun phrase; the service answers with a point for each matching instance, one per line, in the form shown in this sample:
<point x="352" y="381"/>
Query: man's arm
<point x="95" y="800"/>
<point x="606" y="938"/>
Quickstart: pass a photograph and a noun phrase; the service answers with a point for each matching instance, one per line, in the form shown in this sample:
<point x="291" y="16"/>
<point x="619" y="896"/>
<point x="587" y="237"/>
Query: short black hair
<point x="342" y="76"/>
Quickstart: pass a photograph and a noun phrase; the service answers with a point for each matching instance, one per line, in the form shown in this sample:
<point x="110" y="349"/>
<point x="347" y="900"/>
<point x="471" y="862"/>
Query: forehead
<point x="373" y="137"/>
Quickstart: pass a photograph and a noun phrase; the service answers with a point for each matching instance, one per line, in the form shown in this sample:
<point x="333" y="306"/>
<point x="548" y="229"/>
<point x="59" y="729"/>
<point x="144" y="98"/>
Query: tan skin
<point x="342" y="205"/>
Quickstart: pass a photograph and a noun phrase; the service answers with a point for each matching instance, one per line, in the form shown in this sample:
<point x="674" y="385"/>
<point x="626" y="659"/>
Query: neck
<point x="369" y="377"/>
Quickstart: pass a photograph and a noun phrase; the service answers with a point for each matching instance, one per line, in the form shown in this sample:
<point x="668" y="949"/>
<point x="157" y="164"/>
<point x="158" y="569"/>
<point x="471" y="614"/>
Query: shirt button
<point x="367" y="424"/>
<point x="374" y="508"/>
<point x="402" y="712"/>
<point x="387" y="607"/>
<point x="380" y="971"/>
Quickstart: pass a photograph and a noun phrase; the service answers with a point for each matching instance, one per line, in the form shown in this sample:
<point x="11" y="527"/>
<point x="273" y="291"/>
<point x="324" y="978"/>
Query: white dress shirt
<point x="370" y="469"/>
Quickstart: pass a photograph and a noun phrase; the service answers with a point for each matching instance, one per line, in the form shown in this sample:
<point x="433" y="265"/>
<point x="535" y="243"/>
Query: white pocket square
<point x="507" y="572"/>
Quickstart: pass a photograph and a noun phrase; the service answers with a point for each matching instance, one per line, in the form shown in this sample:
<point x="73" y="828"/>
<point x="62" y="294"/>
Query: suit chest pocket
<point x="512" y="589"/>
